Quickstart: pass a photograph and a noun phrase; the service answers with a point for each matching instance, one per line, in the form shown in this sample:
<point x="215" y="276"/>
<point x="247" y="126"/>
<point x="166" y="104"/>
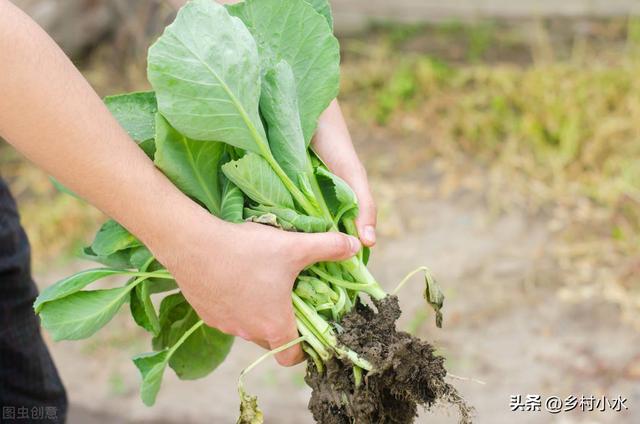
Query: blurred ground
<point x="503" y="154"/>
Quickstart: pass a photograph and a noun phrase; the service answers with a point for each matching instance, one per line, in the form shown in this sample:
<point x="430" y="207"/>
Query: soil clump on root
<point x="406" y="374"/>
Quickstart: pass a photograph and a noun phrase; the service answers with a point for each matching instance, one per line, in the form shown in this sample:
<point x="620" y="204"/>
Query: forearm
<point x="50" y="113"/>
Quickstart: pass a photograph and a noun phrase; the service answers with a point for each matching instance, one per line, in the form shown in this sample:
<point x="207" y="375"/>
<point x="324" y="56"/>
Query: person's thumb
<point x="326" y="247"/>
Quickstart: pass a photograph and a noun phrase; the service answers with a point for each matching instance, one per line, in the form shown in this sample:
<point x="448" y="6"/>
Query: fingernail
<point x="354" y="245"/>
<point x="370" y="234"/>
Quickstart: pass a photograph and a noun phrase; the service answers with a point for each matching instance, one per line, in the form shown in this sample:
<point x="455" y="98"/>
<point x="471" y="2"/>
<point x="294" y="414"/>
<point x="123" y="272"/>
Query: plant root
<point x="407" y="374"/>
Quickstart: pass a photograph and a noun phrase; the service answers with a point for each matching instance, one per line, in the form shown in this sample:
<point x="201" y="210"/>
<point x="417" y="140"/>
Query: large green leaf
<point x="324" y="8"/>
<point x="279" y="107"/>
<point x="112" y="237"/>
<point x="136" y="114"/>
<point x="72" y="284"/>
<point x="206" y="74"/>
<point x="258" y="181"/>
<point x="191" y="165"/>
<point x="294" y="31"/>
<point x="80" y="315"/>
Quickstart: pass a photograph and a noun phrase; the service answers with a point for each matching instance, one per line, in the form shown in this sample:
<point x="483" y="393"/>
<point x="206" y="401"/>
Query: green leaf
<point x="161" y="285"/>
<point x="337" y="194"/>
<point x="366" y="254"/>
<point x="279" y="107"/>
<point x="172" y="308"/>
<point x="80" y="315"/>
<point x="294" y="31"/>
<point x="112" y="237"/>
<point x="118" y="259"/>
<point x="135" y="112"/>
<point x="191" y="165"/>
<point x="142" y="309"/>
<point x="324" y="8"/>
<point x="71" y="285"/>
<point x="139" y="257"/>
<point x="206" y="73"/>
<point x="151" y="367"/>
<point x="290" y="220"/>
<point x="232" y="202"/>
<point x="202" y="352"/>
<point x="253" y="175"/>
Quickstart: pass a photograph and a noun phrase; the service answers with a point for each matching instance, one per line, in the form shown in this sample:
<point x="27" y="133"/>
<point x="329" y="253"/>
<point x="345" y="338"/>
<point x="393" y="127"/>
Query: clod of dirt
<point x="406" y="374"/>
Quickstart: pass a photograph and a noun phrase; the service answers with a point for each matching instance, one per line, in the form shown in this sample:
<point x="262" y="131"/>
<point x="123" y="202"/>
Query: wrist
<point x="166" y="220"/>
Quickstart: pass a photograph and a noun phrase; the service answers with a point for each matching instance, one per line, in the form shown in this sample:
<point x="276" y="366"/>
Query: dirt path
<point x="504" y="323"/>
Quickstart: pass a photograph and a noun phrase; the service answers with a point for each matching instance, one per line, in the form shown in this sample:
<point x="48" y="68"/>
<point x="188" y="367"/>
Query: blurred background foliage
<point x="550" y="109"/>
<point x="546" y="111"/>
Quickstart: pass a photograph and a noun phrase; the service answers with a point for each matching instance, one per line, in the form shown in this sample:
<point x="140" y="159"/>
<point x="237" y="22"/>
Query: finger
<point x="293" y="355"/>
<point x="325" y="247"/>
<point x="366" y="219"/>
<point x="263" y="344"/>
<point x="245" y="336"/>
<point x="367" y="214"/>
<point x="355" y="175"/>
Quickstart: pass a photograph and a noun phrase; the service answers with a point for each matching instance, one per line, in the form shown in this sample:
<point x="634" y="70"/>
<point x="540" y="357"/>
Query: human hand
<point x="333" y="144"/>
<point x="239" y="277"/>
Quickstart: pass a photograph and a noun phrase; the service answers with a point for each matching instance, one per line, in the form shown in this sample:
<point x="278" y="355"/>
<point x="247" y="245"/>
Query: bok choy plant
<point x="237" y="93"/>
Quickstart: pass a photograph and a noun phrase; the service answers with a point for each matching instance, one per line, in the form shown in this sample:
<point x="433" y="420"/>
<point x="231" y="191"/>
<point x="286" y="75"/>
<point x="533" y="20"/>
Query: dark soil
<point x="406" y="374"/>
